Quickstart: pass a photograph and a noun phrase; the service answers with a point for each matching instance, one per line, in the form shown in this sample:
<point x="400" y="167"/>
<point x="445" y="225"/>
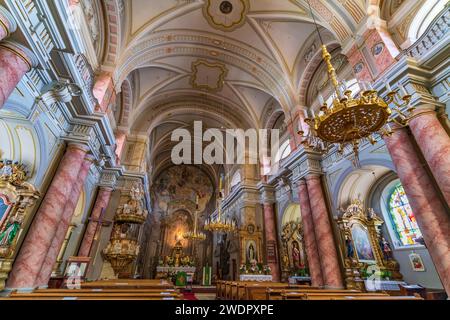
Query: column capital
<point x="78" y="146"/>
<point x="7" y="22"/>
<point x="267" y="192"/>
<point x="22" y="52"/>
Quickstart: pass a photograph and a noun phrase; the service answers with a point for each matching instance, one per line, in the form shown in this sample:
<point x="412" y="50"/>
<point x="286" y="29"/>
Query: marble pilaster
<point x="47" y="219"/>
<point x="69" y="209"/>
<point x="326" y="247"/>
<point x="271" y="235"/>
<point x="429" y="211"/>
<point x="434" y="143"/>
<point x="101" y="203"/>
<point x="15" y="61"/>
<point x="309" y="236"/>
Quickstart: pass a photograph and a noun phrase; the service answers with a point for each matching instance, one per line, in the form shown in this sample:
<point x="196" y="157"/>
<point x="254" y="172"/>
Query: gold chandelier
<point x="218" y="223"/>
<point x="195" y="235"/>
<point x="350" y="120"/>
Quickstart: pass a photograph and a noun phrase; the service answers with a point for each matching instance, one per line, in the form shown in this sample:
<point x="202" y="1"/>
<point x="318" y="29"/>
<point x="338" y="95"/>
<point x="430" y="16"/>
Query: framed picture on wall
<point x="416" y="262"/>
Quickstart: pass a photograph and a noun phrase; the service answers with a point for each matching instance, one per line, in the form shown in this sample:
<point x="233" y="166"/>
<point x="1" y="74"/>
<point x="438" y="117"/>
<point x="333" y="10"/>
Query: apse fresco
<point x="182" y="183"/>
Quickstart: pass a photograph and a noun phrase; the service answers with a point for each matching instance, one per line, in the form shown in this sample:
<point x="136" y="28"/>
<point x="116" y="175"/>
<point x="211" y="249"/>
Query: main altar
<point x="171" y="266"/>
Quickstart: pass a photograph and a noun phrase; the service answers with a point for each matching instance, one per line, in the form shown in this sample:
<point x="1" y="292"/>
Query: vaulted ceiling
<point x="232" y="64"/>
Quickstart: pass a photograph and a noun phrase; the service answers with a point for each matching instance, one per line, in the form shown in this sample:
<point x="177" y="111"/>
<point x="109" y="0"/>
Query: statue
<point x="251" y="252"/>
<point x="224" y="256"/>
<point x="296" y="255"/>
<point x="386" y="249"/>
<point x="6" y="169"/>
<point x="9" y="233"/>
<point x="349" y="246"/>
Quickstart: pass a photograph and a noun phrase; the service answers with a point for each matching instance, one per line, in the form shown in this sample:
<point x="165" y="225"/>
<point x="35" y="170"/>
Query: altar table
<point x="256" y="277"/>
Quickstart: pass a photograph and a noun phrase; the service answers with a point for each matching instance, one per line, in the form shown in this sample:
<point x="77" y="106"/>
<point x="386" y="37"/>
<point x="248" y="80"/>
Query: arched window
<point x="403" y="221"/>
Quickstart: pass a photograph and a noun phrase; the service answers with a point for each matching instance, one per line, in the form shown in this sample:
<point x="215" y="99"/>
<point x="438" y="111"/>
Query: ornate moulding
<point x="226" y="15"/>
<point x="17" y="200"/>
<point x="208" y="76"/>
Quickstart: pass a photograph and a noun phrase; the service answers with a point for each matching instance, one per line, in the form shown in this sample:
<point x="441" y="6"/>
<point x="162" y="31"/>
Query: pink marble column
<point x="430" y="213"/>
<point x="69" y="209"/>
<point x="102" y="201"/>
<point x="120" y="143"/>
<point x="104" y="92"/>
<point x="15" y="61"/>
<point x="434" y="143"/>
<point x="7" y="23"/>
<point x="40" y="235"/>
<point x="309" y="236"/>
<point x="326" y="247"/>
<point x="271" y="235"/>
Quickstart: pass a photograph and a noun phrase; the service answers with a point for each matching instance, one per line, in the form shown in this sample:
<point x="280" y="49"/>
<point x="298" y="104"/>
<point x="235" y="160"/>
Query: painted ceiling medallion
<point x="208" y="76"/>
<point x="226" y="15"/>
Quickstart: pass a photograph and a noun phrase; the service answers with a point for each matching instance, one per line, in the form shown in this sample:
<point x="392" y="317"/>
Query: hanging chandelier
<point x="195" y="235"/>
<point x="350" y="119"/>
<point x="219" y="223"/>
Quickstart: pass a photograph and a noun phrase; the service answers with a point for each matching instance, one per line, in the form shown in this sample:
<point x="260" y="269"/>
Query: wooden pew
<point x="127" y="283"/>
<point x="344" y="296"/>
<point x="275" y="293"/>
<point x="257" y="290"/>
<point x="99" y="295"/>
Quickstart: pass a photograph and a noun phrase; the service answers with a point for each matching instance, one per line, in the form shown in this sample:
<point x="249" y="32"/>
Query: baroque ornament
<point x="226" y="15"/>
<point x="350" y="120"/>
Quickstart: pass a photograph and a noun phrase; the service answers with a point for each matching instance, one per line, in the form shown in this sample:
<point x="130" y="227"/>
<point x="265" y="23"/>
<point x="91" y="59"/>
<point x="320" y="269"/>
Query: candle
<point x="388" y="87"/>
<point x="403" y="90"/>
<point x="321" y="101"/>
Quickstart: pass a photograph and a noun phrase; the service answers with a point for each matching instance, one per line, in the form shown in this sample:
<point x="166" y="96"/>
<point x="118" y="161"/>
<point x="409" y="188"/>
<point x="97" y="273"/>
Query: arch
<point x="291" y="214"/>
<point x="424" y="17"/>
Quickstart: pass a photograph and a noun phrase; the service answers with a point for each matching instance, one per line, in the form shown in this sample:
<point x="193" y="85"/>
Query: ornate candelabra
<point x="218" y="223"/>
<point x="195" y="235"/>
<point x="350" y="120"/>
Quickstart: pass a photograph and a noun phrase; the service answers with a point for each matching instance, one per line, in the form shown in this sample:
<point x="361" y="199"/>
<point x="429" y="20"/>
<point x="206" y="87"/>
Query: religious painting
<point x="416" y="262"/>
<point x="179" y="185"/>
<point x="4" y="208"/>
<point x="251" y="251"/>
<point x="362" y="244"/>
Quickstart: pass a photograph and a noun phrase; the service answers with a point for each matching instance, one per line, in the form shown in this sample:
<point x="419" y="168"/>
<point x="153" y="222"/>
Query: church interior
<point x="113" y="178"/>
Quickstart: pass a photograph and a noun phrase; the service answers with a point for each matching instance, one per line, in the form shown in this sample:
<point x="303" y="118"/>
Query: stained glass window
<point x="403" y="220"/>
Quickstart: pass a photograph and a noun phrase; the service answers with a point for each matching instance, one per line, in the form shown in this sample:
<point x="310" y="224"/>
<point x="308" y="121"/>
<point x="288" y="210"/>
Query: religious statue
<point x="9" y="233"/>
<point x="5" y="168"/>
<point x="386" y="249"/>
<point x="224" y="256"/>
<point x="14" y="173"/>
<point x="296" y="255"/>
<point x="350" y="250"/>
<point x="251" y="252"/>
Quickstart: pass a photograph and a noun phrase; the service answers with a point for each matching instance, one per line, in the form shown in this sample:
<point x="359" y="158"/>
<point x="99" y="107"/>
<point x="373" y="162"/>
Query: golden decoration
<point x="219" y="223"/>
<point x="356" y="268"/>
<point x="13" y="172"/>
<point x="349" y="120"/>
<point x="195" y="235"/>
<point x="132" y="211"/>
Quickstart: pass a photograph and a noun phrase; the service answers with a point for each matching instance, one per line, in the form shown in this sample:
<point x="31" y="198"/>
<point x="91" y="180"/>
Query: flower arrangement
<point x="254" y="268"/>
